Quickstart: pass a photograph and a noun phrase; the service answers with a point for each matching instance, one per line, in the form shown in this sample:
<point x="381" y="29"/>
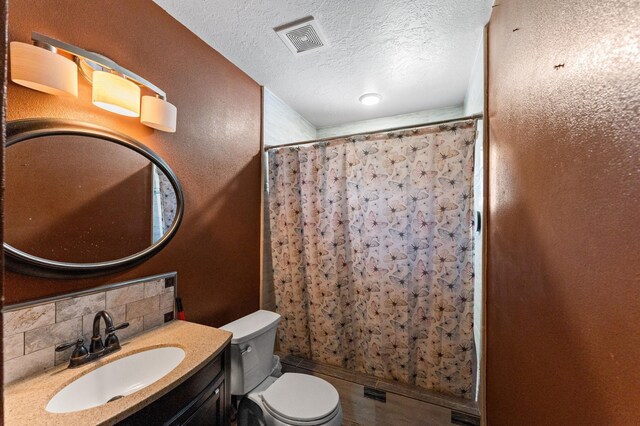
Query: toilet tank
<point x="251" y="349"/>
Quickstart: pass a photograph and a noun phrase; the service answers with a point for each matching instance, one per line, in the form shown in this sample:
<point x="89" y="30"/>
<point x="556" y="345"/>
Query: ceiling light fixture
<point x="115" y="89"/>
<point x="370" y="99"/>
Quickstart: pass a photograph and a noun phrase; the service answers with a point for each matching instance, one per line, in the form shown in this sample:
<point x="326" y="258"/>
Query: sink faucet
<point x="97" y="348"/>
<point x="111" y="342"/>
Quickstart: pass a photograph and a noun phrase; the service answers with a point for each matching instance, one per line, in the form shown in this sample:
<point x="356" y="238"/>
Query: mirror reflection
<point x="82" y="199"/>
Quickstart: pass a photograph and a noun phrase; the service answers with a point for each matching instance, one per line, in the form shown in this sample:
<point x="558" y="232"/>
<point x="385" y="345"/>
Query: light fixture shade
<point x="43" y="70"/>
<point x="159" y="114"/>
<point x="370" y="99"/>
<point x="116" y="94"/>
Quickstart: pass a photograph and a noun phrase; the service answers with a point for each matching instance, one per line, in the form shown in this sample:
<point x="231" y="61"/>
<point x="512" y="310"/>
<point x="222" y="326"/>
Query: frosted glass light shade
<point x="42" y="70"/>
<point x="370" y="99"/>
<point x="159" y="114"/>
<point x="116" y="94"/>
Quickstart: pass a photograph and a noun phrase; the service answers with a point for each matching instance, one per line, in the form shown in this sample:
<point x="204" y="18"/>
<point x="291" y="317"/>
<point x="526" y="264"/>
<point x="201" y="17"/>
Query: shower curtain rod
<point x="412" y="126"/>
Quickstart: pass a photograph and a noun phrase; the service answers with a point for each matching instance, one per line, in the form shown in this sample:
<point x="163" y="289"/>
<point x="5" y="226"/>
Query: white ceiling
<point x="417" y="54"/>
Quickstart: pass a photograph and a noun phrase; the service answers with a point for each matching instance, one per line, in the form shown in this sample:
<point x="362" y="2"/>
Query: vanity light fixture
<point x="370" y="99"/>
<point x="39" y="66"/>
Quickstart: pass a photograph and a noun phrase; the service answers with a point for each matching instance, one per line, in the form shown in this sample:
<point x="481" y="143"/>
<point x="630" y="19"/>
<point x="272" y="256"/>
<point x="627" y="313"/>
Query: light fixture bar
<point x="47" y="42"/>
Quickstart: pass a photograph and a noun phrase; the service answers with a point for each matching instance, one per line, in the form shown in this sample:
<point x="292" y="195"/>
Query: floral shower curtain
<point x="163" y="203"/>
<point x="371" y="242"/>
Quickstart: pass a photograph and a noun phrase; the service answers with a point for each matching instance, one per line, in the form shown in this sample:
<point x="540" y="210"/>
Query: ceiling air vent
<point x="302" y="36"/>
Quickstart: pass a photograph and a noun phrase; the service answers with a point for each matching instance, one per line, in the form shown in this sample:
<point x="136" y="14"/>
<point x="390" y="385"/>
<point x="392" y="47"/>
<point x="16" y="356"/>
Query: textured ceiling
<point x="416" y="53"/>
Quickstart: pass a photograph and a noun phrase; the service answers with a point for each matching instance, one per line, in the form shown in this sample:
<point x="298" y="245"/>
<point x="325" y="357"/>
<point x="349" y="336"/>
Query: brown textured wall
<point x="214" y="153"/>
<point x="564" y="195"/>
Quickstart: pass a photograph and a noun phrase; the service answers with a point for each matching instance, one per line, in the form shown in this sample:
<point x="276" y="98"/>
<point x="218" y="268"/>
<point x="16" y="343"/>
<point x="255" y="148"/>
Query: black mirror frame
<point x="21" y="262"/>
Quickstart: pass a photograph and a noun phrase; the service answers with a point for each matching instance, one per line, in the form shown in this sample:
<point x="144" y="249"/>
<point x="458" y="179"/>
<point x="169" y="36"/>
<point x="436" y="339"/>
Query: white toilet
<point x="289" y="400"/>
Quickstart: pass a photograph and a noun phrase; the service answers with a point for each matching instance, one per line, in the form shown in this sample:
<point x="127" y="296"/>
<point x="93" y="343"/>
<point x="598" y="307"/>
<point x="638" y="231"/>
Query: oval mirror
<point x="82" y="199"/>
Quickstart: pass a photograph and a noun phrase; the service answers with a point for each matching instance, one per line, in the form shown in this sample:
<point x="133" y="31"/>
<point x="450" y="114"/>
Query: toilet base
<point x="250" y="414"/>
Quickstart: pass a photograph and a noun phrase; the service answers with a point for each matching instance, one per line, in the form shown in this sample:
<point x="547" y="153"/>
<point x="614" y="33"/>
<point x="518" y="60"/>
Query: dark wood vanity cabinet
<point x="203" y="399"/>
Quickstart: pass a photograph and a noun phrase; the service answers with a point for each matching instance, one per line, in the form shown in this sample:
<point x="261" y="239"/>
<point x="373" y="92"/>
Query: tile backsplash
<point x="32" y="331"/>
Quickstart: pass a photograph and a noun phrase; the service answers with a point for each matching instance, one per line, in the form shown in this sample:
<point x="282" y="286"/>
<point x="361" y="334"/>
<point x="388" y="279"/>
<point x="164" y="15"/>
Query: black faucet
<point x="97" y="348"/>
<point x="111" y="342"/>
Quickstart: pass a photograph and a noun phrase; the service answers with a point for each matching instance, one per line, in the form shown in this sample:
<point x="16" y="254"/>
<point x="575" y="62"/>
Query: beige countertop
<point x="25" y="401"/>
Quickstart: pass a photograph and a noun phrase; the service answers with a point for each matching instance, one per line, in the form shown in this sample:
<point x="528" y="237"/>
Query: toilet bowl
<point x="297" y="399"/>
<point x="289" y="400"/>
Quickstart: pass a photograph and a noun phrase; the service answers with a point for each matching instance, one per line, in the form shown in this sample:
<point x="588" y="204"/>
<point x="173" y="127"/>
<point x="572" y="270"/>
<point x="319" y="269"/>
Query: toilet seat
<point x="301" y="399"/>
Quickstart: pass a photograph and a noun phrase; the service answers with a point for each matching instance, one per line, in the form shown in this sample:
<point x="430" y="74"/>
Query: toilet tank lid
<point x="249" y="326"/>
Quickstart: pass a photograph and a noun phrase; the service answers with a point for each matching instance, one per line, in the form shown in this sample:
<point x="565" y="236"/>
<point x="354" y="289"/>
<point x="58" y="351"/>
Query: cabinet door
<point x="210" y="412"/>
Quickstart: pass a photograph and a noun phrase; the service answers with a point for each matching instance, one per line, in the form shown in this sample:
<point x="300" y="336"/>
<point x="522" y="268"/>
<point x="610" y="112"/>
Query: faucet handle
<point x="65" y="346"/>
<point x="112" y="340"/>
<point x="79" y="353"/>
<point x="117" y="327"/>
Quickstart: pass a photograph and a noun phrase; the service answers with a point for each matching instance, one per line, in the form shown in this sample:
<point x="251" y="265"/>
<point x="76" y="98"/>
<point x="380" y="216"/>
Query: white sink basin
<point x="119" y="378"/>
